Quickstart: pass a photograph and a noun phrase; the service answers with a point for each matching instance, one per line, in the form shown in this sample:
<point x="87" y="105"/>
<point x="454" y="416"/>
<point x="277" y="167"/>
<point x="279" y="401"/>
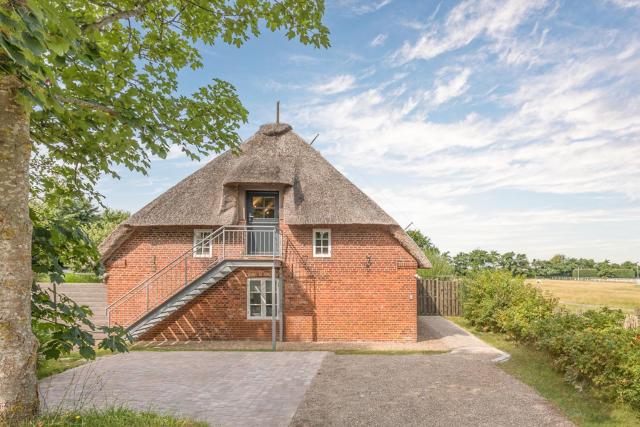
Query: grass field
<point x="583" y="295"/>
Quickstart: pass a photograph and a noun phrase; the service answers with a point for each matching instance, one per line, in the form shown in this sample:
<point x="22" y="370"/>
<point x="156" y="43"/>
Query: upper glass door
<point x="262" y="207"/>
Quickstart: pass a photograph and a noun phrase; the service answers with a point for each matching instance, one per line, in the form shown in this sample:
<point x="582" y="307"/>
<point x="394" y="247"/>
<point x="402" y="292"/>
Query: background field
<point x="582" y="295"/>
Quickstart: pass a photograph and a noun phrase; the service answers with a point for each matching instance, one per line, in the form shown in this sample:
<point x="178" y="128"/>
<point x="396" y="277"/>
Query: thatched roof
<point x="318" y="195"/>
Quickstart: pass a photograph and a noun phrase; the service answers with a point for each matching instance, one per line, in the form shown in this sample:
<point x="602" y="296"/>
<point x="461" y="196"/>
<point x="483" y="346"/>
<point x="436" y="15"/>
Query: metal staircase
<point x="192" y="273"/>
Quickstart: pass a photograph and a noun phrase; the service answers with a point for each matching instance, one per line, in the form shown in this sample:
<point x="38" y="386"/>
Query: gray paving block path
<point x="221" y="388"/>
<point x="235" y="388"/>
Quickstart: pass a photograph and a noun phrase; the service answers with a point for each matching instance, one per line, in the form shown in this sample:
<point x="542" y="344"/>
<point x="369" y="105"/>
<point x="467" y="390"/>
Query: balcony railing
<point x="226" y="243"/>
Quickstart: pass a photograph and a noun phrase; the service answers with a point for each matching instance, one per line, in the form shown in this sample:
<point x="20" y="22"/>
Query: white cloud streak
<point x="338" y="84"/>
<point x="379" y="40"/>
<point x="569" y="128"/>
<point x="447" y="87"/>
<point x="467" y="21"/>
<point x="626" y="4"/>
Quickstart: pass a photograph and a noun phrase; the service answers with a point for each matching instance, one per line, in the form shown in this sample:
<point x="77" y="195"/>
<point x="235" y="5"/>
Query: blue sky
<point x="506" y="125"/>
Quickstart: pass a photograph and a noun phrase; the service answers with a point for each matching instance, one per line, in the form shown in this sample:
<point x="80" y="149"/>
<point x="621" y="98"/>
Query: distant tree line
<point x="464" y="263"/>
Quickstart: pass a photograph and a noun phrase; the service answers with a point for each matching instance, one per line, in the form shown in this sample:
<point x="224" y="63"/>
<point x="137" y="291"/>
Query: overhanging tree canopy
<point x="102" y="76"/>
<point x="89" y="84"/>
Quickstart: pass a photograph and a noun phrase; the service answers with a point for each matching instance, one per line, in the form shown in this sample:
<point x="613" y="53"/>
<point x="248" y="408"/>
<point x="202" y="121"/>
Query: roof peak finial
<point x="278" y="112"/>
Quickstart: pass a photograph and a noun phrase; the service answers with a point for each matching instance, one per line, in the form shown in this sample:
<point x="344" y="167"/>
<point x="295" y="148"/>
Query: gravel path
<point x="421" y="390"/>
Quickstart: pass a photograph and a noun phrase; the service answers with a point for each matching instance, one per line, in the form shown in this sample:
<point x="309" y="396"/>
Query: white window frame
<point x="263" y="302"/>
<point x="196" y="241"/>
<point x="317" y="254"/>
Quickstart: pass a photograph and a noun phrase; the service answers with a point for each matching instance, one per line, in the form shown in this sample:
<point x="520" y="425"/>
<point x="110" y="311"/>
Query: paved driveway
<point x="461" y="388"/>
<point x="222" y="388"/>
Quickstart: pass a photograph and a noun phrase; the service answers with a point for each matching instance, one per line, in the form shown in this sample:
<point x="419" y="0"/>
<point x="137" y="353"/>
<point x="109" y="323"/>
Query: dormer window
<point x="202" y="243"/>
<point x="321" y="242"/>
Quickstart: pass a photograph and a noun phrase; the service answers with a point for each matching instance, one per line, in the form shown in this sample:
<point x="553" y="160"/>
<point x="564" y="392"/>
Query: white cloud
<point x="467" y="21"/>
<point x="338" y="84"/>
<point x="570" y="128"/>
<point x="379" y="40"/>
<point x="626" y="3"/>
<point x="360" y="7"/>
<point x="447" y="87"/>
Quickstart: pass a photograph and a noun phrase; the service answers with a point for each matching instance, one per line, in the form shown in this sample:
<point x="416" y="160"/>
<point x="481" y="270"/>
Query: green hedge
<point x="619" y="273"/>
<point x="585" y="272"/>
<point x="592" y="349"/>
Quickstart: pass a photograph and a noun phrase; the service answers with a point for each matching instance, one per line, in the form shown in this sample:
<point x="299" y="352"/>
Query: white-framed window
<point x="321" y="242"/>
<point x="202" y="243"/>
<point x="261" y="297"/>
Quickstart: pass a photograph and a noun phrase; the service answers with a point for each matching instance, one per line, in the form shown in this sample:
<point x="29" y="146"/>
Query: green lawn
<point x="116" y="417"/>
<point x="534" y="368"/>
<point x="51" y="367"/>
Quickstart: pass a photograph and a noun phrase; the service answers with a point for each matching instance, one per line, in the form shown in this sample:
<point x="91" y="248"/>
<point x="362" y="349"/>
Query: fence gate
<point x="438" y="297"/>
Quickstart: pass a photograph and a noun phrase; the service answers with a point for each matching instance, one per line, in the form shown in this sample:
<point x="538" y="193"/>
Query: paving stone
<point x="221" y="388"/>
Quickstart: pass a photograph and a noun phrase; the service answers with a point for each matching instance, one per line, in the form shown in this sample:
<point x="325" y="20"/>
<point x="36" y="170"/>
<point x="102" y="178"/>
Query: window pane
<point x="269" y="202"/>
<point x="268" y="285"/>
<point x="255" y="286"/>
<point x="255" y="310"/>
<point x="325" y="250"/>
<point x="255" y="299"/>
<point x="325" y="235"/>
<point x="257" y="201"/>
<point x="268" y="311"/>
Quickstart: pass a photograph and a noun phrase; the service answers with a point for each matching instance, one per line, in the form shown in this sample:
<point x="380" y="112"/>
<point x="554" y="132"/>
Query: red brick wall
<point x="220" y="313"/>
<point x="364" y="291"/>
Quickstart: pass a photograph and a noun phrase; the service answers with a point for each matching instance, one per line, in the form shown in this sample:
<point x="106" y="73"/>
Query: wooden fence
<point x="438" y="297"/>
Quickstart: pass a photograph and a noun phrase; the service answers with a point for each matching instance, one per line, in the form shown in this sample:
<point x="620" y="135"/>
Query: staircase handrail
<point x="163" y="269"/>
<point x="216" y="260"/>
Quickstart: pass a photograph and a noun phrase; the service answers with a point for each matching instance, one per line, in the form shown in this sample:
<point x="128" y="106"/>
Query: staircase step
<point x="176" y="301"/>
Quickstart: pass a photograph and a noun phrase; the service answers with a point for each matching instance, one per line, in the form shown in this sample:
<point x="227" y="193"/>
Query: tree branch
<point x="116" y="16"/>
<point x="88" y="104"/>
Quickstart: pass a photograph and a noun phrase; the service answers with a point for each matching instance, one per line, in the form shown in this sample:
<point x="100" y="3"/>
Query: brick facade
<point x="364" y="292"/>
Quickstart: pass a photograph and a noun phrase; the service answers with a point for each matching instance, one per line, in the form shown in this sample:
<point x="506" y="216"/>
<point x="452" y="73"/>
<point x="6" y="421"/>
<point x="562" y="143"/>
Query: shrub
<point x="500" y="302"/>
<point x="592" y="349"/>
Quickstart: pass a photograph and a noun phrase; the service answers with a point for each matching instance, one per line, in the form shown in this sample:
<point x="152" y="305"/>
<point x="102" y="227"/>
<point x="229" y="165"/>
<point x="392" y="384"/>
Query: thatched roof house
<point x="274" y="155"/>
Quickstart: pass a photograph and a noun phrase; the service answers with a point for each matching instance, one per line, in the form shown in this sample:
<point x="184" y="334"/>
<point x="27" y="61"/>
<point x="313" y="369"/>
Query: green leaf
<point x="32" y="43"/>
<point x="58" y="45"/>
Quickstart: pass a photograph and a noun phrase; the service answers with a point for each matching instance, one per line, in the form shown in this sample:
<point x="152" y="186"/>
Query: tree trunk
<point x="18" y="345"/>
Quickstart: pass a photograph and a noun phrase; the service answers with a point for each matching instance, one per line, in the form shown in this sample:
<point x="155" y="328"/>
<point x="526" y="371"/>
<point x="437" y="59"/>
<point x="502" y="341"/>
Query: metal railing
<point x="235" y="242"/>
